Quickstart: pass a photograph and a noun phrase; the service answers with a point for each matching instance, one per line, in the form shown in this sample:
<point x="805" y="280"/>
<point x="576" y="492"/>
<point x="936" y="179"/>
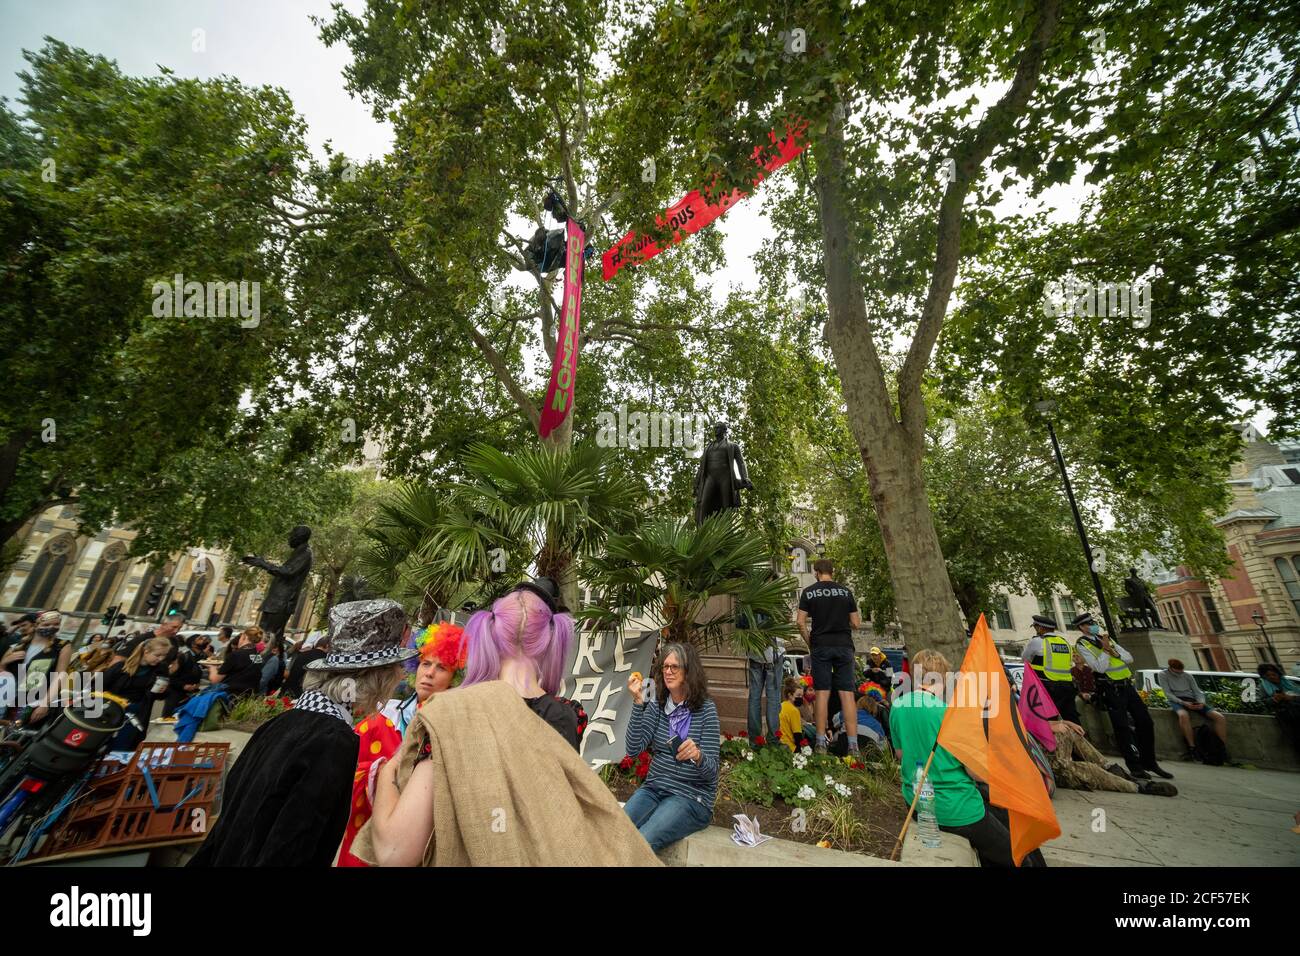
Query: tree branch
<point x="996" y="126"/>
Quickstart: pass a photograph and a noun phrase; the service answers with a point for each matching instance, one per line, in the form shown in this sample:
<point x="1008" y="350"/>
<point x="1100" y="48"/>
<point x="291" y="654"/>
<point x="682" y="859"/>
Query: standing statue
<point x="286" y="581"/>
<point x="717" y="486"/>
<point x="1139" y="599"/>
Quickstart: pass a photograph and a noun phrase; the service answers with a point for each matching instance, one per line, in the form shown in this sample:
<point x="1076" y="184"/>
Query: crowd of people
<point x="358" y="774"/>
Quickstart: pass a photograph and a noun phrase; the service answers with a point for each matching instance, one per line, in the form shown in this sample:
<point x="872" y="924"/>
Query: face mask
<point x="1095" y="630"/>
<point x="47" y="631"/>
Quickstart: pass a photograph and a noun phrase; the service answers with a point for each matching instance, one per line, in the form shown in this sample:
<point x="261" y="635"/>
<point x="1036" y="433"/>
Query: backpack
<point x="1209" y="747"/>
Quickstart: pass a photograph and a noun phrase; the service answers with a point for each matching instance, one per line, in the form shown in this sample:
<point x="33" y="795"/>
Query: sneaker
<point x="820" y="749"/>
<point x="1159" y="772"/>
<point x="1137" y="773"/>
<point x="1158" y="788"/>
<point x="1119" y="771"/>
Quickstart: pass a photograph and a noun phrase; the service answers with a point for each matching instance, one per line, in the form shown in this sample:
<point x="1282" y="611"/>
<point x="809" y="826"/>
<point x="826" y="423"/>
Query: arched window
<point x="230" y="609"/>
<point x="194" y="593"/>
<point x="41" y="587"/>
<point x="1288" y="570"/>
<point x="104" y="579"/>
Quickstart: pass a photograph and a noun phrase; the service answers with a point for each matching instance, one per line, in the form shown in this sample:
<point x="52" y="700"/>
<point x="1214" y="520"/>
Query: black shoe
<point x="1119" y="771"/>
<point x="1158" y="788"/>
<point x="1137" y="773"/>
<point x="1155" y="769"/>
<point x="1190" y="754"/>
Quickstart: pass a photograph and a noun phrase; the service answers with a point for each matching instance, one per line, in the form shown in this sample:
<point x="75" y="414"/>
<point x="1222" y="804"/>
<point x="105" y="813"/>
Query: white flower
<point x="842" y="790"/>
<point x="806" y="751"/>
<point x="829" y="779"/>
<point x="800" y="761"/>
<point x="749" y="755"/>
<point x="805" y="793"/>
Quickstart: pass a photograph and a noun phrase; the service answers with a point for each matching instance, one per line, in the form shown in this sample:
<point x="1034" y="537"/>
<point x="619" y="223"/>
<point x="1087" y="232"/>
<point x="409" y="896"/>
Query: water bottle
<point x="926" y="823"/>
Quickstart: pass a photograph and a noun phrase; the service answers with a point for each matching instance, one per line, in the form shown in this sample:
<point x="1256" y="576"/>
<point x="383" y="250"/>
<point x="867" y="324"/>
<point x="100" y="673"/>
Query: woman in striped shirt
<point x="681" y="733"/>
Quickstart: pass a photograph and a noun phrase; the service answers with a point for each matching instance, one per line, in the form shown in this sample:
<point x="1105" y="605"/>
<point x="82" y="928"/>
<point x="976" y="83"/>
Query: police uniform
<point x="1050" y="656"/>
<point x="1116" y="692"/>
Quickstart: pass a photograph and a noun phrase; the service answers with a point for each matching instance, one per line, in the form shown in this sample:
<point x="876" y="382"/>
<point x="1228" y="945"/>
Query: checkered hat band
<point x="334" y="660"/>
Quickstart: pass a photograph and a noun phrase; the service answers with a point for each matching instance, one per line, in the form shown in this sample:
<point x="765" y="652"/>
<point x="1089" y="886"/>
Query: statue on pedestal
<point x="286" y="581"/>
<point x="1137" y="604"/>
<point x="717" y="484"/>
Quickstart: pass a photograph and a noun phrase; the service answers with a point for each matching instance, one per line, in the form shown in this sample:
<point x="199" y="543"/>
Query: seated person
<point x="791" y="721"/>
<point x="960" y="806"/>
<point x="241" y="672"/>
<point x="1078" y="765"/>
<point x="870" y="733"/>
<point x="1283" y="695"/>
<point x="1185" y="697"/>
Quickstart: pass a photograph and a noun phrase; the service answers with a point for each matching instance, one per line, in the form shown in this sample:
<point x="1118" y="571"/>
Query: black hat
<point x="547" y="590"/>
<point x="1042" y="620"/>
<point x="1082" y="620"/>
<point x="28" y="618"/>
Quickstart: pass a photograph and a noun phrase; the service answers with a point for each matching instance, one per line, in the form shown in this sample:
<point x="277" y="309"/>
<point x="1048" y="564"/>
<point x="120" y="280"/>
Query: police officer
<point x="1050" y="655"/>
<point x="1112" y="665"/>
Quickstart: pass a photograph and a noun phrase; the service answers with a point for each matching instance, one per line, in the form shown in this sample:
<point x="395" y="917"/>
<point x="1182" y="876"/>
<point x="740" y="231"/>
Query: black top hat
<point x="547" y="590"/>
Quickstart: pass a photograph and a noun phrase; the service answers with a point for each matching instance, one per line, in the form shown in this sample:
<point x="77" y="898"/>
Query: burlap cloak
<point x="509" y="790"/>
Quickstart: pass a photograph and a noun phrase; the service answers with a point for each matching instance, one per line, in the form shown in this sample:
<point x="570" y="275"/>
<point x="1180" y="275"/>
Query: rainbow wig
<point x="518" y="623"/>
<point x="445" y="643"/>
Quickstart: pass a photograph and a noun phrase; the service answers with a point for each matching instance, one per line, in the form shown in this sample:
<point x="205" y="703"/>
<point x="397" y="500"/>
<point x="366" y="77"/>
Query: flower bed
<point x="251" y="712"/>
<point x="1228" y="701"/>
<point x="853" y="805"/>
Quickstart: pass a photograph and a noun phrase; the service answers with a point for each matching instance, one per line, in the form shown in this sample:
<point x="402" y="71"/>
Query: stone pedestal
<point x="1154" y="647"/>
<point x="728" y="673"/>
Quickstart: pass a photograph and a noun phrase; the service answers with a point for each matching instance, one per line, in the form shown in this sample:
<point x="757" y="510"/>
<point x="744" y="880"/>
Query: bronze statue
<point x="717" y="486"/>
<point x="286" y="581"/>
<point x="1139" y="601"/>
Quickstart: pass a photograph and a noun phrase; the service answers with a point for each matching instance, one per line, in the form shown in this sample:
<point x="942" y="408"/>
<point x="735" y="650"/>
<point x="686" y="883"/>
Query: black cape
<point x="286" y="798"/>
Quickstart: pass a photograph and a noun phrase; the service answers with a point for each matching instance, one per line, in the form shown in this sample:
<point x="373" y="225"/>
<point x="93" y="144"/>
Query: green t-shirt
<point x="914" y="721"/>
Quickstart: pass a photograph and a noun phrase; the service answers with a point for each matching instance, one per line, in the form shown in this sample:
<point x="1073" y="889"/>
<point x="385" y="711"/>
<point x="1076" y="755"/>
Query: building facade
<point x="1252" y="615"/>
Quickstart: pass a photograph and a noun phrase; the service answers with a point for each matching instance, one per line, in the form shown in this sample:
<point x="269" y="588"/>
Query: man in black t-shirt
<point x="242" y="670"/>
<point x="834" y="615"/>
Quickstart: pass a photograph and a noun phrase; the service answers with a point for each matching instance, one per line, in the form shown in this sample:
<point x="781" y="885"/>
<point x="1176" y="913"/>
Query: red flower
<point x="625" y="763"/>
<point x="858" y="766"/>
<point x="728" y="736"/>
<point x="642" y="770"/>
<point x="744" y="734"/>
<point x="760" y="740"/>
<point x="778" y="735"/>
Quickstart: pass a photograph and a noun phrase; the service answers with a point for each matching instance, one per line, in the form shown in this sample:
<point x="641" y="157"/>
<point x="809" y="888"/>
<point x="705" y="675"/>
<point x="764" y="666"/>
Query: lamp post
<point x="1045" y="408"/>
<point x="1259" y="623"/>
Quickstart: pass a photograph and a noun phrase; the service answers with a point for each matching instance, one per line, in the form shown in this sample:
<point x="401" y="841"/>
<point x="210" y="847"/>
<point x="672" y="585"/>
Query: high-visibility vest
<point x="1056" y="658"/>
<point x="1116" y="669"/>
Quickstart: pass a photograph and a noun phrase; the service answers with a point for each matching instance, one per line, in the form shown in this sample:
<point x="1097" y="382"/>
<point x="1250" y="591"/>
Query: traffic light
<point x="119" y="621"/>
<point x="154" y="599"/>
<point x="109" y="616"/>
<point x="175" y="607"/>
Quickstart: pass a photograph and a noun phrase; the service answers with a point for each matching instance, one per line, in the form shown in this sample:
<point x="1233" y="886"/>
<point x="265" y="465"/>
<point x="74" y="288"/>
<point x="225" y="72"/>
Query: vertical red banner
<point x="564" y="370"/>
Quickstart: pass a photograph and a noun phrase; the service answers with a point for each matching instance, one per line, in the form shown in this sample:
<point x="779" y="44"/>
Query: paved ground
<point x="1222" y="816"/>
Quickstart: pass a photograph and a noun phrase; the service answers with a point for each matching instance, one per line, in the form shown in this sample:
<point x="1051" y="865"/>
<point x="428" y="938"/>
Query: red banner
<point x="564" y="370"/>
<point x="692" y="212"/>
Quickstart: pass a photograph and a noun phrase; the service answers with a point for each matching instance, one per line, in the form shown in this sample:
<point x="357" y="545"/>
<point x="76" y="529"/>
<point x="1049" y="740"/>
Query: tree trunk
<point x="925" y="606"/>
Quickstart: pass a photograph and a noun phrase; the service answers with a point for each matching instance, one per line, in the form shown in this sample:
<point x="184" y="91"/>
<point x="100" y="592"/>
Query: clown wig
<point x="520" y="623"/>
<point x="445" y="643"/>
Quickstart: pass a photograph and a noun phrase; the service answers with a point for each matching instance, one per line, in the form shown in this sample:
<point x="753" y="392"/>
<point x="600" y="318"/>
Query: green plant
<point x="256" y="710"/>
<point x="835" y="818"/>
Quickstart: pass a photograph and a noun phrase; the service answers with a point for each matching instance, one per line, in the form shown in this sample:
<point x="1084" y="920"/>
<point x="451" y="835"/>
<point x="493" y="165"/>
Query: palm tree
<point x="542" y="507"/>
<point x="671" y="569"/>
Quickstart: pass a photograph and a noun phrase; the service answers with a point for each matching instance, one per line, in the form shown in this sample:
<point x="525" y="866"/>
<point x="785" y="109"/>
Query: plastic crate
<point x="153" y="799"/>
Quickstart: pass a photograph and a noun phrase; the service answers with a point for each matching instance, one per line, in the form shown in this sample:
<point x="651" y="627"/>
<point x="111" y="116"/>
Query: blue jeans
<point x="757" y="685"/>
<point x="665" y="818"/>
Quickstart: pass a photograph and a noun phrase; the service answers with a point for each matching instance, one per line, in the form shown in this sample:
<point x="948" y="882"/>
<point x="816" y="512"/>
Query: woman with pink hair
<point x="482" y="778"/>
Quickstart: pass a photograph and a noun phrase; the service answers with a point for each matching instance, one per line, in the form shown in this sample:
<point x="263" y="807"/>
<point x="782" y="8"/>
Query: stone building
<point x="1252" y="615"/>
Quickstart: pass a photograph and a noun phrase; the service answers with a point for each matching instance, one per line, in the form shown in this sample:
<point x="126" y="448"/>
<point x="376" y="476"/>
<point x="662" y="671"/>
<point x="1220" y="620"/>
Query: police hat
<point x="1042" y="620"/>
<point x="1082" y="620"/>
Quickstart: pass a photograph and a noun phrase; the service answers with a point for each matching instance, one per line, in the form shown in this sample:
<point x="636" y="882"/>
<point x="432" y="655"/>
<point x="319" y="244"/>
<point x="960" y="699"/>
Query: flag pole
<point x="907" y="821"/>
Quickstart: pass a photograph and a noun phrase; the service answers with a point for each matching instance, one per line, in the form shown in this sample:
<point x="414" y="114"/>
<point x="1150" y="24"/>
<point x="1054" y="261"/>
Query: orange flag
<point x="982" y="729"/>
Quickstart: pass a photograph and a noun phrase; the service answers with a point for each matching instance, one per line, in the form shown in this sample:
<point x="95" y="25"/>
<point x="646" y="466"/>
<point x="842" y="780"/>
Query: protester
<point x="879" y="670"/>
<point x="834" y="615"/>
<point x="41" y="665"/>
<point x="100" y="658"/>
<point x="187" y="677"/>
<point x="225" y="638"/>
<point x="241" y="672"/>
<point x="169" y="629"/>
<point x="1050" y="655"/>
<point x="286" y="800"/>
<point x="1112" y="665"/>
<point x="959" y="805"/>
<point x="765" y="669"/>
<point x="791" y="722"/>
<point x="870" y="732"/>
<point x="676" y="799"/>
<point x="443" y="656"/>
<point x="479" y="780"/>
<point x="298" y="669"/>
<point x="1085" y="682"/>
<point x="1078" y="765"/>
<point x="272" y="665"/>
<point x="1185" y="697"/>
<point x="1283" y="695"/>
<point x="18" y="634"/>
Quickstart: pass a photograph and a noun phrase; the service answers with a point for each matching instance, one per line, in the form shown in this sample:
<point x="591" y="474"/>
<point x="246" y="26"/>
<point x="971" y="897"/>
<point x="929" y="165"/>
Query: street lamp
<point x="1045" y="408"/>
<point x="1259" y="623"/>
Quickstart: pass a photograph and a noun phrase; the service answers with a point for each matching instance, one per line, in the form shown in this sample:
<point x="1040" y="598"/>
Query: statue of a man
<point x="1141" y="599"/>
<point x="286" y="581"/>
<point x="717" y="485"/>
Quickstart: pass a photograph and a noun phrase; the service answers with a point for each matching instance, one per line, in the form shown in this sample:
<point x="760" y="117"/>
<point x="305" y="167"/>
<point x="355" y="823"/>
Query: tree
<point x="671" y="569"/>
<point x="889" y="93"/>
<point x="110" y="184"/>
